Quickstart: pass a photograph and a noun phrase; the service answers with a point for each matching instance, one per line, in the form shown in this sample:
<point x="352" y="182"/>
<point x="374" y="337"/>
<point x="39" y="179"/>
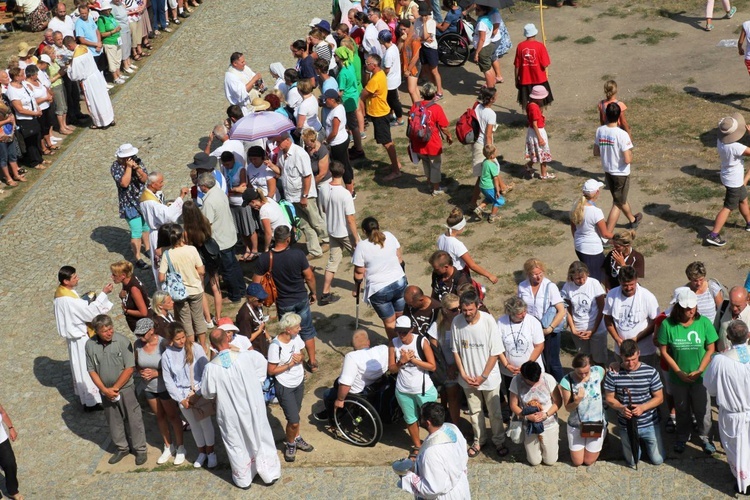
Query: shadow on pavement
<point x="114" y="239"/>
<point x="728" y="99"/>
<point x="701" y="225"/>
<point x="708" y="174"/>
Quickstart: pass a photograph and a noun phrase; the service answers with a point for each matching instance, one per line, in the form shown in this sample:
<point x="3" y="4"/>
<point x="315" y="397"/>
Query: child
<point x="610" y="93"/>
<point x="537" y="146"/>
<point x="491" y="184"/>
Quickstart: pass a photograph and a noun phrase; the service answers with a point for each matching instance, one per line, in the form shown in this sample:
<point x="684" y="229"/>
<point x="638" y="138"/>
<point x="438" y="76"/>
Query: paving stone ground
<point x="70" y="217"/>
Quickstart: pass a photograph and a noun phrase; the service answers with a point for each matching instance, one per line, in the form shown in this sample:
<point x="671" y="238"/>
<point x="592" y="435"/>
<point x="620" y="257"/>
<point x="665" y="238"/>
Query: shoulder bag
<point x="266" y="281"/>
<point x="550" y="313"/>
<point x="173" y="283"/>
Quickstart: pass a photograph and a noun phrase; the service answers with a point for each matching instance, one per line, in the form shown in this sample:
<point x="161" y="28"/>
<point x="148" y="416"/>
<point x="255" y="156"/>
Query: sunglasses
<point x="454" y="309"/>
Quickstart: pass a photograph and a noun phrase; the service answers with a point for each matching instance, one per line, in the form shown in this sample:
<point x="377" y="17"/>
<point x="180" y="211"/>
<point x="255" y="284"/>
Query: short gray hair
<point x="289" y="320"/>
<point x="737" y="332"/>
<point x="153" y="177"/>
<point x="428" y="91"/>
<point x="101" y="321"/>
<point x="207" y="180"/>
<point x="515" y="306"/>
<point x="220" y="131"/>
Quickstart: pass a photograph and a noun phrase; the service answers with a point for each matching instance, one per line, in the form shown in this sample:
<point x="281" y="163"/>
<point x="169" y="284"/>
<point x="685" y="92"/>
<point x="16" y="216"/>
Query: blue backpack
<point x="290" y="214"/>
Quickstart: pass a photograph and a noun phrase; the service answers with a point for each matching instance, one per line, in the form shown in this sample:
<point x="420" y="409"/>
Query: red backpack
<point x="419" y="129"/>
<point x="467" y="126"/>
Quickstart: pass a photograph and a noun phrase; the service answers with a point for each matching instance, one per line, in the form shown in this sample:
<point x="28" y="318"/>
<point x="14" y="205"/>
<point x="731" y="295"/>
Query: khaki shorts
<point x="114" y="57"/>
<point x="337" y="245"/>
<point x="136" y="33"/>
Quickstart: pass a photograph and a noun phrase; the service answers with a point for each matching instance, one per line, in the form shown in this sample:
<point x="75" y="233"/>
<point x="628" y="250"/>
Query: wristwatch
<point x="304" y="196"/>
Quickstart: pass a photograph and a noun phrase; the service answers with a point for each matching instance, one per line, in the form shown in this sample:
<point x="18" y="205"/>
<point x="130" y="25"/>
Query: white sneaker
<point x="133" y="66"/>
<point x="55" y="140"/>
<point x="119" y="81"/>
<point x="212" y="461"/>
<point x="129" y="70"/>
<point x="199" y="461"/>
<point x="124" y="77"/>
<point x="110" y="86"/>
<point x="166" y="455"/>
<point x="179" y="458"/>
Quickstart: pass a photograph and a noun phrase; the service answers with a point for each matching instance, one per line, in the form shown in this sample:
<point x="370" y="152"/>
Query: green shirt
<point x="490" y="170"/>
<point x="107" y="24"/>
<point x="110" y="360"/>
<point x="687" y="345"/>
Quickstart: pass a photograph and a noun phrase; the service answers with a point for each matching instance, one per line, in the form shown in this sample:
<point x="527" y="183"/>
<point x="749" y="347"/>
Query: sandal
<point x="709" y="27"/>
<point x="502" y="450"/>
<point x="11" y="183"/>
<point x="474" y="450"/>
<point x="137" y="57"/>
<point x="20" y="178"/>
<point x="54" y="148"/>
<point x="547" y="177"/>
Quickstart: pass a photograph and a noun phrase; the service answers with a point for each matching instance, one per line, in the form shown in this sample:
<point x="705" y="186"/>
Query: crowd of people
<point x="264" y="195"/>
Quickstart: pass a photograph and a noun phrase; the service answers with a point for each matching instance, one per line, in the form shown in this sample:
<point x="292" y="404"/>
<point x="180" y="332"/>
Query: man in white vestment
<point x="72" y="314"/>
<point x="240" y="413"/>
<point x="83" y="69"/>
<point x="155" y="213"/>
<point x="441" y="468"/>
<point x="726" y="379"/>
<point x="239" y="83"/>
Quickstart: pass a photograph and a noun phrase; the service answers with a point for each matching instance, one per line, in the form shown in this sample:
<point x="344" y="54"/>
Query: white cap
<point x="685" y="297"/>
<point x="126" y="151"/>
<point x="403" y="323"/>
<point x="315" y="21"/>
<point x="105" y="4"/>
<point x="45" y="58"/>
<point x="591" y="186"/>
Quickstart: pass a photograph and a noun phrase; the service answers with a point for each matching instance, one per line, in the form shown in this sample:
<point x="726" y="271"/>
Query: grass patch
<point x="622" y="36"/>
<point x="585" y="40"/>
<point x="648" y="36"/>
<point x="651" y="244"/>
<point x="615" y="11"/>
<point x="690" y="189"/>
<point x="559" y="38"/>
<point x="579" y="135"/>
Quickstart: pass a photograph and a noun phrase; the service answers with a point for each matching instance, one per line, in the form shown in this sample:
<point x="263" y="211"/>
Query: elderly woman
<point x="686" y="342"/>
<point x="276" y="70"/>
<point x="162" y="308"/>
<point x="588" y="226"/>
<point x="285" y="364"/>
<point x="440" y="334"/>
<point x="182" y="368"/>
<point x="581" y="392"/>
<point x="544" y="303"/>
<point x="708" y="290"/>
<point x="252" y="322"/>
<point x="27" y="114"/>
<point x="522" y="338"/>
<point x="449" y="242"/>
<point x="622" y="255"/>
<point x="535" y="400"/>
<point x="133" y="295"/>
<point x="585" y="299"/>
<point x="378" y="258"/>
<point x="148" y="350"/>
<point x="430" y="151"/>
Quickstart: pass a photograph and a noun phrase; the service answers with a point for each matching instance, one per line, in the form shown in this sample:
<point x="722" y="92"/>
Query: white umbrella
<point x="260" y="125"/>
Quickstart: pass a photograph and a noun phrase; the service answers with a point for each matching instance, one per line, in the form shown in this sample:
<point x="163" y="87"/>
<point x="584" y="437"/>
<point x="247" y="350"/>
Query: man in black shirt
<point x="445" y="277"/>
<point x="422" y="310"/>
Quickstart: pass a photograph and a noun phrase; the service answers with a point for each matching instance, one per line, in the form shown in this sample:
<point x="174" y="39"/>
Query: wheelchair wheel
<point x="453" y="49"/>
<point x="358" y="422"/>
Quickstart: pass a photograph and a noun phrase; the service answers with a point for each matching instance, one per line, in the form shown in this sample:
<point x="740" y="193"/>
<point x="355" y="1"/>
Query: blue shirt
<point x="88" y="30"/>
<point x="453" y="17"/>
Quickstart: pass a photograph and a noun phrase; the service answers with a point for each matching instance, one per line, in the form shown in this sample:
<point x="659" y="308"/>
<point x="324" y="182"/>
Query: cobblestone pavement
<point x="70" y="217"/>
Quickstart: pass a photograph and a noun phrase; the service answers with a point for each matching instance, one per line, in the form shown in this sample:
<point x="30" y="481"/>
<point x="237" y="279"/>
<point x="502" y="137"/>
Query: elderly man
<point x="241" y="413"/>
<point x="111" y="363"/>
<point x="291" y="272"/>
<point x="61" y="21"/>
<point x="422" y="310"/>
<point x="445" y="277"/>
<point x="155" y="213"/>
<point x="629" y="313"/>
<point x="299" y="189"/>
<point x="735" y="308"/>
<point x="240" y="82"/>
<point x="216" y="209"/>
<point x="48" y="41"/>
<point x="130" y="177"/>
<point x="362" y="367"/>
<point x="726" y="379"/>
<point x="72" y="315"/>
<point x="83" y="69"/>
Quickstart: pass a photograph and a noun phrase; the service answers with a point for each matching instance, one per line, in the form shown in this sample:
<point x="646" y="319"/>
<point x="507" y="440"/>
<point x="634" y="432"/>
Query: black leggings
<point x="10" y="469"/>
<point x="395" y="103"/>
<point x="340" y="153"/>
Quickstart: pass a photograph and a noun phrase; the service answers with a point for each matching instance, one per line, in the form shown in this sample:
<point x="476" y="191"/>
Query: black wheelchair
<point x="454" y="48"/>
<point x="361" y="421"/>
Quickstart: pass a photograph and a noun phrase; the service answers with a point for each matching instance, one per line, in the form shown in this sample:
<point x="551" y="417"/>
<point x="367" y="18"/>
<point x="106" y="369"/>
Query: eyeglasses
<point x="454" y="309"/>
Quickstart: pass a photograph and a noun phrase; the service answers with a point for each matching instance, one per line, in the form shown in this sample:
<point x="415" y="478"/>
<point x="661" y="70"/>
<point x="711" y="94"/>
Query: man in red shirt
<point x="532" y="61"/>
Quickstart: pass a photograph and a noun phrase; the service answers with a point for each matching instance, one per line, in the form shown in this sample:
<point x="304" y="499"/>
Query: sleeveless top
<point x="128" y="301"/>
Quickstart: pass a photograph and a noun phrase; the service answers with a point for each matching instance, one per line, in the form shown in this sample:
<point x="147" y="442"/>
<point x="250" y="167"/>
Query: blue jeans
<point x="651" y="443"/>
<point x="231" y="272"/>
<point x="307" y="329"/>
<point x="551" y="355"/>
<point x="160" y="15"/>
<point x="389" y="300"/>
<point x="437" y="11"/>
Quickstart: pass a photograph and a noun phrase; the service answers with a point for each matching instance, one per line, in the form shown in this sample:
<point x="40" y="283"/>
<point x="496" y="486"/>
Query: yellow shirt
<point x="377" y="104"/>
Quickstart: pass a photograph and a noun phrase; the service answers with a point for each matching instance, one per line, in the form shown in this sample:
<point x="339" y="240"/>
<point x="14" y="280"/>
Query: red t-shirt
<point x="435" y="116"/>
<point x="534" y="114"/>
<point x="531" y="59"/>
<point x="357" y="35"/>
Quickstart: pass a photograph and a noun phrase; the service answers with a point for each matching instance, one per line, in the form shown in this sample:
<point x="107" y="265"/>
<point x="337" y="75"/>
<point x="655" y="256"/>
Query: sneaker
<point x="328" y="298"/>
<point x="290" y="452"/>
<point x="179" y="457"/>
<point x="133" y="66"/>
<point x="176" y="21"/>
<point x="302" y="444"/>
<point x="210" y="324"/>
<point x="438" y="192"/>
<point x="354" y="195"/>
<point x="212" y="461"/>
<point x="183" y="15"/>
<point x="166" y="455"/>
<point x="167" y="30"/>
<point x="129" y="70"/>
<point x="716" y="240"/>
<point x="731" y="12"/>
<point x="636" y="222"/>
<point x="110" y="86"/>
<point x="119" y="455"/>
<point x="199" y="461"/>
<point x="124" y="77"/>
<point x="322" y="416"/>
<point x="492" y="218"/>
<point x="747" y="226"/>
<point x="142" y="264"/>
<point x="709" y="448"/>
<point x="141" y="458"/>
<point x="679" y="447"/>
<point x="479" y="212"/>
<point x="119" y="81"/>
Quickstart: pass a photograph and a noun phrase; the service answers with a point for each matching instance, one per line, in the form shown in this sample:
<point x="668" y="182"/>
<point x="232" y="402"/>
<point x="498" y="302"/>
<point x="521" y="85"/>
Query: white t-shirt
<point x="631" y="315"/>
<point x="541" y="392"/>
<point x="410" y="376"/>
<point x="746" y="29"/>
<point x="280" y="353"/>
<point x="294" y="98"/>
<point x="392" y="61"/>
<point x="382" y="266"/>
<point x="583" y="301"/>
<point x="340" y="113"/>
<point x="258" y="178"/>
<point x="295" y="165"/>
<point x="474" y="345"/>
<point x="519" y="340"/>
<point x="586" y="239"/>
<point x="339" y="204"/>
<point x="239" y="341"/>
<point x="454" y="247"/>
<point x="364" y="367"/>
<point x="732" y="162"/>
<point x="485" y="116"/>
<point x="274" y="213"/>
<point x="309" y="109"/>
<point x="536" y="305"/>
<point x="429" y="27"/>
<point x="481" y="26"/>
<point x="370" y="42"/>
<point x="613" y="142"/>
<point x="25" y="95"/>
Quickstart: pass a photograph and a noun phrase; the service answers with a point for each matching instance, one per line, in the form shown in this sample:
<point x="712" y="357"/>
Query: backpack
<point x="479" y="289"/>
<point x="467" y="126"/>
<point x="419" y="128"/>
<point x="440" y="375"/>
<point x="290" y="214"/>
<point x="268" y="284"/>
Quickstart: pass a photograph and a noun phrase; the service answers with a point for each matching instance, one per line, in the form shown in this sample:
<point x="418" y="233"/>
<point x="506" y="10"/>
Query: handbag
<point x="202" y="407"/>
<point x="592" y="429"/>
<point x="269" y="286"/>
<point x="209" y="253"/>
<point x="550" y="313"/>
<point x="515" y="430"/>
<point x="173" y="283"/>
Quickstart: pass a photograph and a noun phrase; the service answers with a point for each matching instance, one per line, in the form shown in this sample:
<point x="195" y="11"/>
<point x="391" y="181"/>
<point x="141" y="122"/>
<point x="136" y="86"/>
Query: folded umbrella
<point x="632" y="431"/>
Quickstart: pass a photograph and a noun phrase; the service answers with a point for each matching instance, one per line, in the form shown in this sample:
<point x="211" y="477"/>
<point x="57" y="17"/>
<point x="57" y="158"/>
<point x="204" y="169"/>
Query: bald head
<point x="360" y="340"/>
<point x="413" y="295"/>
<point x="219" y="339"/>
<point x="738" y="300"/>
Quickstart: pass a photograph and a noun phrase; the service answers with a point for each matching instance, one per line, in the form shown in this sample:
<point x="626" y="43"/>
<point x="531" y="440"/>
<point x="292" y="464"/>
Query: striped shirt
<point x="707" y="300"/>
<point x="642" y="382"/>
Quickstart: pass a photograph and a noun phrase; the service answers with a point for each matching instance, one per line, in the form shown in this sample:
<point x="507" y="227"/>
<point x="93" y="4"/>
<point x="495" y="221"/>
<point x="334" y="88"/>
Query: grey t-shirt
<point x="109" y="360"/>
<point x="153" y="361"/>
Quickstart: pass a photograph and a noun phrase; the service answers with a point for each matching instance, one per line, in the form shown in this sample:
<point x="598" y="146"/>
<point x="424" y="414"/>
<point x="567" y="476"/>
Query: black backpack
<point x="440" y="375"/>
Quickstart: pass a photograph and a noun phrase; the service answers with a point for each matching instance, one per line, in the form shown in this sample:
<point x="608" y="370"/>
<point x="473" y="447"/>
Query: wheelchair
<point x="361" y="421"/>
<point x="454" y="48"/>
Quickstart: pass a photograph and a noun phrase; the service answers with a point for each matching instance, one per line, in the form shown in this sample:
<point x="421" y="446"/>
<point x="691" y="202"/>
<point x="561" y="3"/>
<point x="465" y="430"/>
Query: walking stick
<point x="356" y="313"/>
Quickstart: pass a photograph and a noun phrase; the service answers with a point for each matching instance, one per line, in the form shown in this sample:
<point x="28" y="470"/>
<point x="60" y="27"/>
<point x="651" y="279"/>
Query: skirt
<point x="243" y="220"/>
<point x="534" y="152"/>
<point x="39" y="18"/>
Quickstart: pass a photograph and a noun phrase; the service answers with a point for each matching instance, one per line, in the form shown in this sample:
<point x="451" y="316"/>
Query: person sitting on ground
<point x="584" y="296"/>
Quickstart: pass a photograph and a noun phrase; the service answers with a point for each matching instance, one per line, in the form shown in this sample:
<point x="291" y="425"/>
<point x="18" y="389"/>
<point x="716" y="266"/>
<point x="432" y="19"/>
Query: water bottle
<point x="727" y="43"/>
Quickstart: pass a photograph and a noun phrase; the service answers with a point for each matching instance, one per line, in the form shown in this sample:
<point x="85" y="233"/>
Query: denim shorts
<point x="7" y="153"/>
<point x="307" y="329"/>
<point x="390" y="299"/>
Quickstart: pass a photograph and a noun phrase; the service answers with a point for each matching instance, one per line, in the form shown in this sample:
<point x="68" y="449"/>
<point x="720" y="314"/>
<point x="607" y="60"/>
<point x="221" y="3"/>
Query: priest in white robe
<point x="72" y="314"/>
<point x="155" y="213"/>
<point x="441" y="467"/>
<point x="726" y="379"/>
<point x="83" y="69"/>
<point x="239" y="83"/>
<point x="240" y="413"/>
